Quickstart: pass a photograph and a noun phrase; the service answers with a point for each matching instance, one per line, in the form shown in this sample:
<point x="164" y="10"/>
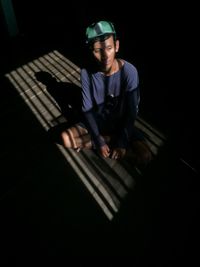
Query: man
<point x="110" y="99"/>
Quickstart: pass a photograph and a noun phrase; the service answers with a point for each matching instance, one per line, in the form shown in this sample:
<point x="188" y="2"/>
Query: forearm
<point x="93" y="128"/>
<point x="125" y="133"/>
<point x="128" y="120"/>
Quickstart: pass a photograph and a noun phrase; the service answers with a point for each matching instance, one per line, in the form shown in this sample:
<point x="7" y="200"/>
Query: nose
<point x="104" y="54"/>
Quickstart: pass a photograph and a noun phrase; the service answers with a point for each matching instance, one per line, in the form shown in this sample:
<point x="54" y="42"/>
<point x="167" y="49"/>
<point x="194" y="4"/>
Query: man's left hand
<point x="118" y="153"/>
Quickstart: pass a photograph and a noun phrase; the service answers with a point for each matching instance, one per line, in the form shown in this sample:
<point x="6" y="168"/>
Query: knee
<point x="65" y="140"/>
<point x="146" y="154"/>
<point x="142" y="152"/>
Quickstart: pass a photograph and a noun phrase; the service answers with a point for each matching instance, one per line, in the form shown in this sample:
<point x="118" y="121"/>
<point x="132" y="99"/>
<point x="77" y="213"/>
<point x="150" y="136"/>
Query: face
<point x="104" y="53"/>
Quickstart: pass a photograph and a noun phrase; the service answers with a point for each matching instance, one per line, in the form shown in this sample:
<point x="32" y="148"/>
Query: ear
<point x="117" y="46"/>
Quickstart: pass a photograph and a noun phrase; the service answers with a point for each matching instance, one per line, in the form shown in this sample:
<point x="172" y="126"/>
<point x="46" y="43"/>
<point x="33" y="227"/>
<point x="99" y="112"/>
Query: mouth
<point x="106" y="63"/>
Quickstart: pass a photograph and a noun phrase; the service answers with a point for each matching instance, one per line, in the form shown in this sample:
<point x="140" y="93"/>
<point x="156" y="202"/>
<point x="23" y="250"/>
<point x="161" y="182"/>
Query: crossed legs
<point x="76" y="137"/>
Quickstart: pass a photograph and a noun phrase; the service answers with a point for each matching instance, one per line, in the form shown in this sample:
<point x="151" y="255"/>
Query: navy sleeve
<point x="92" y="126"/>
<point x="86" y="92"/>
<point x="87" y="109"/>
<point x="131" y="104"/>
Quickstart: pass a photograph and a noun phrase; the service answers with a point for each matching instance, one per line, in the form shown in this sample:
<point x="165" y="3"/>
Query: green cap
<point x="99" y="29"/>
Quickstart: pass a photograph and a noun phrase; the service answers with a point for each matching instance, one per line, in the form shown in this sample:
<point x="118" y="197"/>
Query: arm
<point x="99" y="141"/>
<point x="131" y="98"/>
<point x="127" y="129"/>
<point x="88" y="109"/>
<point x="131" y="104"/>
<point x="93" y="128"/>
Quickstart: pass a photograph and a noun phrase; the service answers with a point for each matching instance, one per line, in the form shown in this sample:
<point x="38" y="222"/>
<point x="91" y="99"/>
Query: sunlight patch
<point x="106" y="180"/>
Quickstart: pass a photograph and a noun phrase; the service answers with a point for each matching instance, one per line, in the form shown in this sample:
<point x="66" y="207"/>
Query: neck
<point x="112" y="70"/>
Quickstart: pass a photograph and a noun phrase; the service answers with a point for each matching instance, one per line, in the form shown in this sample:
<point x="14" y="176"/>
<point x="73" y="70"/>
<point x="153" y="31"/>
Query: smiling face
<point x="104" y="53"/>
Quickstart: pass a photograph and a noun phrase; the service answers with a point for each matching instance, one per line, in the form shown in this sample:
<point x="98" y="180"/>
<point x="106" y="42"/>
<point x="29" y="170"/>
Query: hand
<point x="104" y="151"/>
<point x="118" y="153"/>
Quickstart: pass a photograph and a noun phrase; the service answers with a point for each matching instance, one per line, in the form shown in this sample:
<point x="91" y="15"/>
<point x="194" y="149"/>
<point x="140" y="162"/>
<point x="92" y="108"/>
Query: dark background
<point x="157" y="37"/>
<point x="160" y="40"/>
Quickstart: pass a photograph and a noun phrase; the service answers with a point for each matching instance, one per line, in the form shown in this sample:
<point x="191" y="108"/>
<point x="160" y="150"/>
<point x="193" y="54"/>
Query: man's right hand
<point x="104" y="151"/>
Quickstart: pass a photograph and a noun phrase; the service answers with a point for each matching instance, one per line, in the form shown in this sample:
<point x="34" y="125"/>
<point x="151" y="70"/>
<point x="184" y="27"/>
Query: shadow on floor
<point x="47" y="215"/>
<point x="67" y="95"/>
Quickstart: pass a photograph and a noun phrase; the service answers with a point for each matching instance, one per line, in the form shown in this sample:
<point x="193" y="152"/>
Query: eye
<point x="97" y="50"/>
<point x="109" y="48"/>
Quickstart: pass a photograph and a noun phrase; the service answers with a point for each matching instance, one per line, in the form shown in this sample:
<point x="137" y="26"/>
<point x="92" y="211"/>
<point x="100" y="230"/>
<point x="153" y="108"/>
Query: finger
<point x="108" y="150"/>
<point x="108" y="153"/>
<point x="105" y="154"/>
<point x="115" y="155"/>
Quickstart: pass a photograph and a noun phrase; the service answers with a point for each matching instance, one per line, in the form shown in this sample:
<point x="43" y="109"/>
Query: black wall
<point x="156" y="37"/>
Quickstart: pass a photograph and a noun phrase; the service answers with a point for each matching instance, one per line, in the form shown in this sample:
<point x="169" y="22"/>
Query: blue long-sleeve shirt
<point x="116" y="116"/>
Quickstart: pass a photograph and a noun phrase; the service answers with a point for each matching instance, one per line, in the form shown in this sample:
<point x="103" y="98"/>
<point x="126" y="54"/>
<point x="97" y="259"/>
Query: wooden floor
<point x="56" y="203"/>
<point x="107" y="180"/>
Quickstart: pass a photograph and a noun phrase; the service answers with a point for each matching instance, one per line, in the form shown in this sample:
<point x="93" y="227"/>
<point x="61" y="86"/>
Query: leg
<point x="142" y="153"/>
<point x="76" y="137"/>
